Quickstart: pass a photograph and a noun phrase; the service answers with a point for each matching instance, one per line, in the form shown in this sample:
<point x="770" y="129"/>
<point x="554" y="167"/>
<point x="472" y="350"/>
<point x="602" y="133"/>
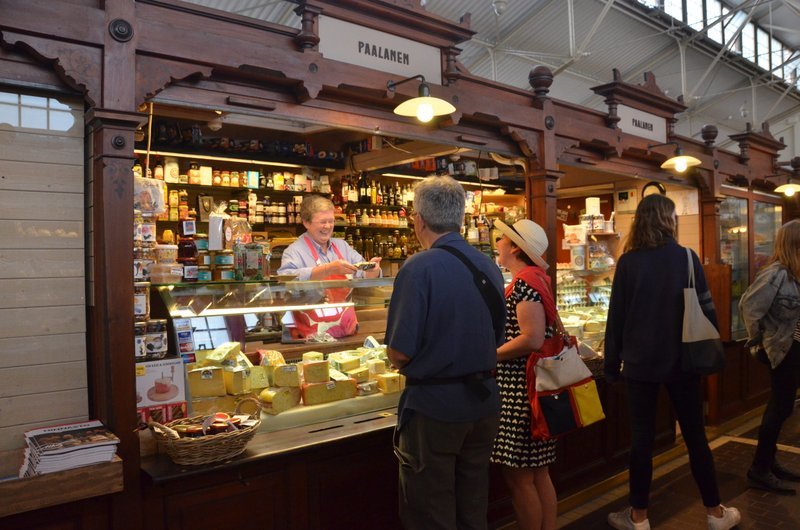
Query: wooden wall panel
<point x="38" y="292"/>
<point x="61" y="263"/>
<point x="41" y="205"/>
<point x="30" y="351"/>
<point x="43" y="176"/>
<point x="43" y="365"/>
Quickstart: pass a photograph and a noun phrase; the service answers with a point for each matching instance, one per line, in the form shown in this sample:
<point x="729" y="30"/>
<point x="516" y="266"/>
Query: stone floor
<point x="675" y="501"/>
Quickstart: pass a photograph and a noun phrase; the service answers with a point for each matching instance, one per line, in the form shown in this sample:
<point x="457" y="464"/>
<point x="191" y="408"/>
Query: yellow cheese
<point x="336" y="375"/>
<point x="259" y="377"/>
<point x="402" y="381"/>
<point x="388" y="383"/>
<point x="316" y="371"/>
<point x="365" y="389"/>
<point x="275" y="400"/>
<point x="376" y="366"/>
<point x="206" y="382"/>
<point x="360" y="374"/>
<point x="270" y="359"/>
<point x="237" y="381"/>
<point x="210" y="405"/>
<point x="229" y="350"/>
<point x="313" y="356"/>
<point x="286" y="375"/>
<point x="316" y="393"/>
<point x="343" y="363"/>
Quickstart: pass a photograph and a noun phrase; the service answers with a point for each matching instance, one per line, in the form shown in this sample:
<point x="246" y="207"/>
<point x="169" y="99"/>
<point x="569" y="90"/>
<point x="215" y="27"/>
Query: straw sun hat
<point x="528" y="236"/>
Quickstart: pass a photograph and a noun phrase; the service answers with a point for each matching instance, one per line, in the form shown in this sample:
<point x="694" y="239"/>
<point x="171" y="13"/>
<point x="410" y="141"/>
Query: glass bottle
<point x="364" y="218"/>
<point x="368" y="247"/>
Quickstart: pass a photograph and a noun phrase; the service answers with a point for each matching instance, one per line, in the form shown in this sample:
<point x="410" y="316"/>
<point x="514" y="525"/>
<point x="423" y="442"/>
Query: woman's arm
<point x="530" y="316"/>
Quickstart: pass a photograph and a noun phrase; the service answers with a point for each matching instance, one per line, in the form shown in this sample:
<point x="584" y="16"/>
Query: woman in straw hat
<point x="643" y="343"/>
<point x="524" y="460"/>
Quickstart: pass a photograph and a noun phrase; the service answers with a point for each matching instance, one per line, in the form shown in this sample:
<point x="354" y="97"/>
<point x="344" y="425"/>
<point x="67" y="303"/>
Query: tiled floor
<point x="675" y="501"/>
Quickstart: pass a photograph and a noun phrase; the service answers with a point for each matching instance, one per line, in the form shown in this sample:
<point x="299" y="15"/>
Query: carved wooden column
<point x="109" y="199"/>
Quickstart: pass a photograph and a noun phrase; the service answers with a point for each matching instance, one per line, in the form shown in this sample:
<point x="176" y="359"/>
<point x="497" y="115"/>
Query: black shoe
<point x="769" y="482"/>
<point x="784" y="473"/>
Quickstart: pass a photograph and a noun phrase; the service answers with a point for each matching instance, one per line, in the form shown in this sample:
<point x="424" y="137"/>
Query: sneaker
<point x="730" y="518"/>
<point x="769" y="482"/>
<point x="622" y="521"/>
<point x="784" y="473"/>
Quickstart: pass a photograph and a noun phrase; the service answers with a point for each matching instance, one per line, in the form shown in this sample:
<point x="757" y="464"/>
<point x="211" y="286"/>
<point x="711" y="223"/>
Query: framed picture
<point x="189" y="227"/>
<point x="205" y="203"/>
<point x="626" y="201"/>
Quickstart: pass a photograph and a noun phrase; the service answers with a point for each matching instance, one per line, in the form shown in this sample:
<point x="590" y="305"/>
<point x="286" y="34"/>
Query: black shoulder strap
<point x="493" y="299"/>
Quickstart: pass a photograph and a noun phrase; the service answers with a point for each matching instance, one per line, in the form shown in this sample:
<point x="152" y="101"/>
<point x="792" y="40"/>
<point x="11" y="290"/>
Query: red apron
<point x="336" y="321"/>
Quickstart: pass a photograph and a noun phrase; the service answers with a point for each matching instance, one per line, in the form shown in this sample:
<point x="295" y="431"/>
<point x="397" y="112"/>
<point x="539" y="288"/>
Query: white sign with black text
<point x="354" y="44"/>
<point x="641" y="123"/>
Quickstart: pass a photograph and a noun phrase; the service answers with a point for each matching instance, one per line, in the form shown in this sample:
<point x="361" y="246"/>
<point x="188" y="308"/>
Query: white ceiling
<point x="718" y="87"/>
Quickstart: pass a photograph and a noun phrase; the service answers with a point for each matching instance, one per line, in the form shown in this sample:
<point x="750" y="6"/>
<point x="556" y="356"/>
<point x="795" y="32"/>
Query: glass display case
<point x="734" y="252"/>
<point x="321" y="378"/>
<point x="766" y="221"/>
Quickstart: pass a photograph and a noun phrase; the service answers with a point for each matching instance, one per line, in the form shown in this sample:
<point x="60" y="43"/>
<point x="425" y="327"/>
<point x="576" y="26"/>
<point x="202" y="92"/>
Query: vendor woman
<point x="316" y="255"/>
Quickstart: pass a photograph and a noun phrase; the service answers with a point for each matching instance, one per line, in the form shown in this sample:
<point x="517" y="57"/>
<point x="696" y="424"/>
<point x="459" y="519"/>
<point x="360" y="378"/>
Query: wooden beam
<point x="404" y="154"/>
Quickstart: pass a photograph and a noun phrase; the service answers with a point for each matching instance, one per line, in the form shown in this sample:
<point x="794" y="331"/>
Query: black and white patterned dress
<point x="514" y="446"/>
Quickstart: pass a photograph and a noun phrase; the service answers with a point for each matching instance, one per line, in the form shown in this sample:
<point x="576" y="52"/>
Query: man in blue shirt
<point x="440" y="334"/>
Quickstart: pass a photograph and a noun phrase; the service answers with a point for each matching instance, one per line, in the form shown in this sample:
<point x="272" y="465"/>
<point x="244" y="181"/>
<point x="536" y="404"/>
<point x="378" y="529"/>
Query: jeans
<point x="687" y="402"/>
<point x="784" y="381"/>
<point x="444" y="472"/>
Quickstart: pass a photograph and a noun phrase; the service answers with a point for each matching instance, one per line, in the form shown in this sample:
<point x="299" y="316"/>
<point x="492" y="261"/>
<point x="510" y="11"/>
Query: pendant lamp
<point x="678" y="162"/>
<point x="424" y="107"/>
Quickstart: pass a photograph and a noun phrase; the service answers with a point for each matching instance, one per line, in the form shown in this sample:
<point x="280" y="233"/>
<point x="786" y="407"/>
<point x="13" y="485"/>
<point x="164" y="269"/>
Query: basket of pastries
<point x="211" y="438"/>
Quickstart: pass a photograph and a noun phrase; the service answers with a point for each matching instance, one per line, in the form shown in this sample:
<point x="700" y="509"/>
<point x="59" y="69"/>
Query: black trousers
<point x="784" y="380"/>
<point x="687" y="402"/>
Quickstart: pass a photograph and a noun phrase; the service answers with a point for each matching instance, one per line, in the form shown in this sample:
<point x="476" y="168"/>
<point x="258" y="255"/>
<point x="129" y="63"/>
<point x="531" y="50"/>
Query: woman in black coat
<point x="643" y="344"/>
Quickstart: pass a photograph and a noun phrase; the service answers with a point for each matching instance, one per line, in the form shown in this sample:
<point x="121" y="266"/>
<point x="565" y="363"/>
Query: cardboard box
<point x="160" y="383"/>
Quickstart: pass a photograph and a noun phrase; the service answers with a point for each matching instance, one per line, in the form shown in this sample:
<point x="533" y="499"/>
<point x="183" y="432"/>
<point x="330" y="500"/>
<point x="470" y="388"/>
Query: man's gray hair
<point x="440" y="202"/>
<point x="314" y="204"/>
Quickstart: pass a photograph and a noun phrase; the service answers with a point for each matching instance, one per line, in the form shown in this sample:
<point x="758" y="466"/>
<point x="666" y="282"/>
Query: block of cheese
<point x="365" y="389"/>
<point x="228" y="350"/>
<point x="237" y="381"/>
<point x="360" y="374"/>
<point x="210" y="405"/>
<point x="275" y="400"/>
<point x="313" y="356"/>
<point x="316" y="393"/>
<point x="286" y="375"/>
<point x="388" y="383"/>
<point x="402" y="381"/>
<point x="259" y="377"/>
<point x="336" y="375"/>
<point x="376" y="366"/>
<point x="343" y="363"/>
<point x="316" y="372"/>
<point x="270" y="359"/>
<point x="206" y="381"/>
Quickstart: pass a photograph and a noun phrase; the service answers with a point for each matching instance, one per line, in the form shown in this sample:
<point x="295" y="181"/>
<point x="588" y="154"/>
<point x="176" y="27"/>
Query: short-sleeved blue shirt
<point x="438" y="318"/>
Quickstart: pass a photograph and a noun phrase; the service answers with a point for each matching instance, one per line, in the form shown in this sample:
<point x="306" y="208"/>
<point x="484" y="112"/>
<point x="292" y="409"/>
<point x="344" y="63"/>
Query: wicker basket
<point x="205" y="449"/>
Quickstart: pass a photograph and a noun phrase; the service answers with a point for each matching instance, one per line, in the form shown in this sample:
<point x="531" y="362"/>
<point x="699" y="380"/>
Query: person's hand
<point x="375" y="271"/>
<point x="339" y="266"/>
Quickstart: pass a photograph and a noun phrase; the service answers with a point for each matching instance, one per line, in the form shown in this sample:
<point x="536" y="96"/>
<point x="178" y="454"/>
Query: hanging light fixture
<point x="790" y="188"/>
<point x="424" y="107"/>
<point x="678" y="162"/>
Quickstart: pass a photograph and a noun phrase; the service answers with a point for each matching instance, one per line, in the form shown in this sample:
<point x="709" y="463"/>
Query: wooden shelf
<point x="33" y="493"/>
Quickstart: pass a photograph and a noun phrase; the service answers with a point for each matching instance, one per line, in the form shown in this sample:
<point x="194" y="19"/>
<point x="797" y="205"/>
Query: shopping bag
<point x="561" y="370"/>
<point x="702" y="353"/>
<point x="558" y="412"/>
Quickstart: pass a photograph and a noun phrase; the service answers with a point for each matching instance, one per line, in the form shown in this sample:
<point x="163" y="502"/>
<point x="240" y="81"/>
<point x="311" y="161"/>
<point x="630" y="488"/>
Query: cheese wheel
<point x="275" y="400"/>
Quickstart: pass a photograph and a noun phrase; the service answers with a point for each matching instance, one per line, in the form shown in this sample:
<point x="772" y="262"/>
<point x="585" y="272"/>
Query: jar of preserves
<point x="201" y="241"/>
<point x="189" y="269"/>
<point x="187" y="247"/>
<point x="139" y="334"/>
<point x="183" y="213"/>
<point x="226" y="179"/>
<point x="234" y="179"/>
<point x="204" y="273"/>
<point x="223" y="257"/>
<point x="141" y="301"/>
<point x="224" y="273"/>
<point x="216" y="178"/>
<point x="173" y="198"/>
<point x="233" y="207"/>
<point x="173" y="214"/>
<point x="203" y="258"/>
<point x="194" y="173"/>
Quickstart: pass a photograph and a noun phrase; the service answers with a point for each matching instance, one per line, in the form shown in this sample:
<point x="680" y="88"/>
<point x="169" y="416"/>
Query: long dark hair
<point x="653" y="224"/>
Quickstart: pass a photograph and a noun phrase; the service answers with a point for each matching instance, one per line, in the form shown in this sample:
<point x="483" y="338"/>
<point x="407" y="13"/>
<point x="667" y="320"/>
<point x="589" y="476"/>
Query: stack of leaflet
<point x="61" y="447"/>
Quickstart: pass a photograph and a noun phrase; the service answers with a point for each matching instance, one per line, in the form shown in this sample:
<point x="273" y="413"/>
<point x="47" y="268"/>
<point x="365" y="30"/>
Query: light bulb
<point x="425" y="112"/>
<point x="789" y="192"/>
<point x="680" y="165"/>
